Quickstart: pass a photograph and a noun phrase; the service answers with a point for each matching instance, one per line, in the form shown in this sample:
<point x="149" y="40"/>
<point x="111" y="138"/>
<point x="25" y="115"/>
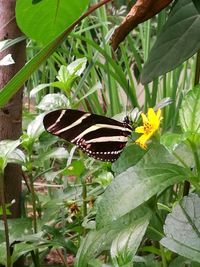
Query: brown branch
<point x="140" y="12"/>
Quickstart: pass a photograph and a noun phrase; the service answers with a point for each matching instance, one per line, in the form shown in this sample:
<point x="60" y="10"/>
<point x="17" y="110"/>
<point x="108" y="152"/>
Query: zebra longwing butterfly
<point x="100" y="137"/>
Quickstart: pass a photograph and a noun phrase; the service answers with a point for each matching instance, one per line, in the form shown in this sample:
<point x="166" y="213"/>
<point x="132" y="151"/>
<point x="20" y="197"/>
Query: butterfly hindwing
<point x="100" y="137"/>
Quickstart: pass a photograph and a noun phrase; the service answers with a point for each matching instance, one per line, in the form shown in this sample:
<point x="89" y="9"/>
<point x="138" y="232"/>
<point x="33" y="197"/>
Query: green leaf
<point x="44" y="21"/>
<point x="20" y="249"/>
<point x="135" y="186"/>
<point x="5" y="44"/>
<point x="105" y="178"/>
<point x="96" y="87"/>
<point x="147" y="261"/>
<point x="18" y="228"/>
<point x="197" y="5"/>
<point x="129" y="157"/>
<point x="172" y="46"/>
<point x="171" y="140"/>
<point x="182" y="228"/>
<point x="189" y="112"/>
<point x="7" y="148"/>
<point x="67" y="75"/>
<point x="57" y="152"/>
<point x="18" y="80"/>
<point x="35" y="128"/>
<point x="58" y="239"/>
<point x="3" y="254"/>
<point x="75" y="168"/>
<point x="53" y="101"/>
<point x="38" y="88"/>
<point x="182" y="262"/>
<point x="97" y="241"/>
<point x="125" y="245"/>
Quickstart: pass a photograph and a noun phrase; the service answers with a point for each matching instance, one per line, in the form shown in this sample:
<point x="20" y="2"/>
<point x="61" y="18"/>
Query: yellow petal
<point x="154" y="118"/>
<point x="159" y="113"/>
<point x="142" y="141"/>
<point x="144" y="118"/>
<point x="151" y="115"/>
<point x="139" y="129"/>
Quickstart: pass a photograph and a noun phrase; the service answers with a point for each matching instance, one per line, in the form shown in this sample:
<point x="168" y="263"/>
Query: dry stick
<point x="140" y="12"/>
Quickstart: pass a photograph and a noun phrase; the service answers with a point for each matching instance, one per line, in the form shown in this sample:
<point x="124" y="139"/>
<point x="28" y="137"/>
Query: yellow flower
<point x="151" y="123"/>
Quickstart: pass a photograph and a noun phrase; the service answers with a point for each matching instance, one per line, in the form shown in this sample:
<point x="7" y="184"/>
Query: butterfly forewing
<point x="100" y="137"/>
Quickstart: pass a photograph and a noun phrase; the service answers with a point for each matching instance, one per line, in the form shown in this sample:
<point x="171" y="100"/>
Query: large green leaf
<point x="100" y="240"/>
<point x="44" y="21"/>
<point x="189" y="112"/>
<point x="135" y="186"/>
<point x="178" y="41"/>
<point x="126" y="243"/>
<point x="18" y="80"/>
<point x="182" y="228"/>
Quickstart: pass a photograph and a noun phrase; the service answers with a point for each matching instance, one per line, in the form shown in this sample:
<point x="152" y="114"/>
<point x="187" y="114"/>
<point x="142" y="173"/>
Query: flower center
<point x="148" y="128"/>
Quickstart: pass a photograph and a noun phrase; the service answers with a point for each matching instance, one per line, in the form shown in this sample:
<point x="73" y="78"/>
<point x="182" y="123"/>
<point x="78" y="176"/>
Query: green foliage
<point x="128" y="226"/>
<point x="106" y="215"/>
<point x="170" y="50"/>
<point x="189" y="111"/>
<point x="135" y="186"/>
<point x="50" y="21"/>
<point x="10" y="153"/>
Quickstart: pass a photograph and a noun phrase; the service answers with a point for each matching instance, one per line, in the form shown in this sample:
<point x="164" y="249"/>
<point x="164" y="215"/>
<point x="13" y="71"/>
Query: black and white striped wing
<point x="100" y="137"/>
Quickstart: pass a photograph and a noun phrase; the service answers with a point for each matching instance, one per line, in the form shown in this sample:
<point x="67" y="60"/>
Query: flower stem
<point x="5" y="221"/>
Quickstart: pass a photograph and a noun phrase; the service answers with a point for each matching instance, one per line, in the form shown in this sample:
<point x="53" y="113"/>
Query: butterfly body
<point x="99" y="136"/>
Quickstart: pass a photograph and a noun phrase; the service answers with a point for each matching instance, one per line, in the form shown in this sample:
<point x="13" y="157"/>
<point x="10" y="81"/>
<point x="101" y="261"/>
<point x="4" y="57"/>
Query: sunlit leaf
<point x="38" y="88"/>
<point x="58" y="153"/>
<point x="182" y="228"/>
<point x="36" y="128"/>
<point x="46" y="19"/>
<point x="7" y="60"/>
<point x="53" y="101"/>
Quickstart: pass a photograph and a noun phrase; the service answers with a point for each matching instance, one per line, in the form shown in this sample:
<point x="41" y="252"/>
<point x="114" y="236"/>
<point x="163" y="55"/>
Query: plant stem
<point x="35" y="253"/>
<point x="197" y="71"/>
<point x="84" y="198"/>
<point x="164" y="262"/>
<point x="33" y="204"/>
<point x="5" y="221"/>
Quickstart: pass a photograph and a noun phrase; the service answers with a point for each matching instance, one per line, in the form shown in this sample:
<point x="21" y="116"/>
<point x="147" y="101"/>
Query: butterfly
<point x="98" y="136"/>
